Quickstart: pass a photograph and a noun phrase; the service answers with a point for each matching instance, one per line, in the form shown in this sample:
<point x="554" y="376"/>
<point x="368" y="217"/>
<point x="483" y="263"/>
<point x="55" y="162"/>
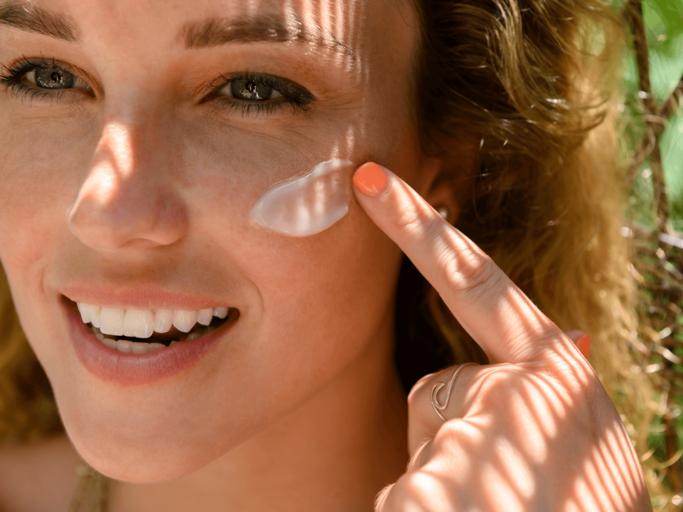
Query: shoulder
<point x="38" y="477"/>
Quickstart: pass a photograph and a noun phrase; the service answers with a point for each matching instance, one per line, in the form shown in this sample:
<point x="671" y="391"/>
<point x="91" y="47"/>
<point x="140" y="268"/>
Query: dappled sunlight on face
<point x="147" y="180"/>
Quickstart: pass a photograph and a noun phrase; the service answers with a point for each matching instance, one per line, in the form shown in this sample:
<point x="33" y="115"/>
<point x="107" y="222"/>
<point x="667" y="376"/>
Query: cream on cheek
<point x="306" y="205"/>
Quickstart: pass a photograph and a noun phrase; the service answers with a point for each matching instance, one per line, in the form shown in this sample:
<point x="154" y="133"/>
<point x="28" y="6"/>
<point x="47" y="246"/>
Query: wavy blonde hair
<point x="529" y="79"/>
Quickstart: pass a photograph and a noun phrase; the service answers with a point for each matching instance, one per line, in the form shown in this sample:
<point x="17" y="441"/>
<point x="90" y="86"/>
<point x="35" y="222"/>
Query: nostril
<point x="131" y="218"/>
<point x="86" y="224"/>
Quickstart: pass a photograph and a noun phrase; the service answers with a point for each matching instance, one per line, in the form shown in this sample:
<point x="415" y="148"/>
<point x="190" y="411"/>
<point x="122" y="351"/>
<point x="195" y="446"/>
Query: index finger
<point x="493" y="310"/>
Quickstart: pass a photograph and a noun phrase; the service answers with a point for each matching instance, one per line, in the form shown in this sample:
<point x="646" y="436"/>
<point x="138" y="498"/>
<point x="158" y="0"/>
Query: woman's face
<point x="130" y="158"/>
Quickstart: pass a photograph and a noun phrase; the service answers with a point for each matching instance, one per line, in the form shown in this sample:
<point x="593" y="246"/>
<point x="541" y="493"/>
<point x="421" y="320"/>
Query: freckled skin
<point x="145" y="183"/>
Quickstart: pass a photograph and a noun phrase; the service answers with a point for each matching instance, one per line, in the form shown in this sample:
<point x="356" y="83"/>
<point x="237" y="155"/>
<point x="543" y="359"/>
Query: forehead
<point x="339" y="26"/>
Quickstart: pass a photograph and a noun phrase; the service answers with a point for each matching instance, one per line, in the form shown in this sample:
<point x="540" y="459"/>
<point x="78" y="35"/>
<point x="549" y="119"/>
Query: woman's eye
<point x="54" y="78"/>
<point x="43" y="80"/>
<point x="267" y="94"/>
<point x="249" y="90"/>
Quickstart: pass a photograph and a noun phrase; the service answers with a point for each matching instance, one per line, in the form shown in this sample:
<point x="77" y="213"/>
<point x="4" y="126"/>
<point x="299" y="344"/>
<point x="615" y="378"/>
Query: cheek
<point x="40" y="171"/>
<point x="40" y="162"/>
<point x="322" y="299"/>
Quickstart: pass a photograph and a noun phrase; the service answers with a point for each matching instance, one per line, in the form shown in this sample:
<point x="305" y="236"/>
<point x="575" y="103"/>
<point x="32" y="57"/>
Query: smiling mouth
<point x="140" y="331"/>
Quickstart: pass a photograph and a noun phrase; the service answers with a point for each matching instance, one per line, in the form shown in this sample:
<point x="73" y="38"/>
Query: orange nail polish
<point x="584" y="345"/>
<point x="371" y="179"/>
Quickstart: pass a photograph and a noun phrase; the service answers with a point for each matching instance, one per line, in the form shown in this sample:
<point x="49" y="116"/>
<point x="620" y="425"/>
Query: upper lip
<point x="141" y="297"/>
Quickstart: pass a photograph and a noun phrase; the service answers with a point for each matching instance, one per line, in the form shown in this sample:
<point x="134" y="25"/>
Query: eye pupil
<point x="250" y="90"/>
<point x="54" y="78"/>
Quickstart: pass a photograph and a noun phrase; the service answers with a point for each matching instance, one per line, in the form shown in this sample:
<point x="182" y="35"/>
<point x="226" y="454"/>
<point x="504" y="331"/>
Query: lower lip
<point x="137" y="369"/>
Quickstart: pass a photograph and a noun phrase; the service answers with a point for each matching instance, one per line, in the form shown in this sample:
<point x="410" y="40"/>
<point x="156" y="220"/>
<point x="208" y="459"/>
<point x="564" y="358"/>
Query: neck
<point x="335" y="453"/>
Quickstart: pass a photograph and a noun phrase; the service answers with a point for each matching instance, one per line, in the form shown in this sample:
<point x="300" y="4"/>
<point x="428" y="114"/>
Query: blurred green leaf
<point x="664" y="22"/>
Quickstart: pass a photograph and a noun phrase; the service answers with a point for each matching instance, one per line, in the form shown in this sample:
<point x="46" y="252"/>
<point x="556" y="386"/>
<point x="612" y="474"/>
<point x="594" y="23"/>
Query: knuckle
<point x="485" y="390"/>
<point x="446" y="438"/>
<point x="413" y="397"/>
<point x="412" y="218"/>
<point x="414" y="492"/>
<point x="470" y="273"/>
<point x="418" y="391"/>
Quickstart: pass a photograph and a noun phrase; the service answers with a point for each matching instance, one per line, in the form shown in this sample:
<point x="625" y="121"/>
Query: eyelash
<point x="11" y="80"/>
<point x="292" y="95"/>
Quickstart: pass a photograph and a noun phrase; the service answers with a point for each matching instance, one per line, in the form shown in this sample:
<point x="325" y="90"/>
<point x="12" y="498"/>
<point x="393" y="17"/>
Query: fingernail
<point x="371" y="179"/>
<point x="584" y="345"/>
<point x="575" y="334"/>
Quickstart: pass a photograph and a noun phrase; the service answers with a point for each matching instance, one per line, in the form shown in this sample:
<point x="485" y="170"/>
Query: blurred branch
<point x="672" y="105"/>
<point x="634" y="14"/>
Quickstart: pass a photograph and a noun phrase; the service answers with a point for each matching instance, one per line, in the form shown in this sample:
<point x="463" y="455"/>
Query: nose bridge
<point x="130" y="135"/>
<point x="127" y="196"/>
<point x="125" y="155"/>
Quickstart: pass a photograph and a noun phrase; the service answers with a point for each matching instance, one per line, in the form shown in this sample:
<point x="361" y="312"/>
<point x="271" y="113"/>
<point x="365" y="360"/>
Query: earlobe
<point x="442" y="198"/>
<point x="444" y="212"/>
<point x="449" y="179"/>
<point x="437" y="187"/>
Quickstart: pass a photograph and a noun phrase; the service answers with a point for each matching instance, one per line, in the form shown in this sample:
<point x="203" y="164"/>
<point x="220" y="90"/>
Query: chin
<point x="147" y="462"/>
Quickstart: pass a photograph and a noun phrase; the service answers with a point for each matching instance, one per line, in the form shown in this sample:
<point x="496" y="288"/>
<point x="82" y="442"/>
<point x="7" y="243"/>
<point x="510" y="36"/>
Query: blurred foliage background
<point x="663" y="20"/>
<point x="652" y="144"/>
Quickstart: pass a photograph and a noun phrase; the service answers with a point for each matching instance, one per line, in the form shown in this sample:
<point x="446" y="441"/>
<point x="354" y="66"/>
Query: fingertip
<point x="575" y="334"/>
<point x="371" y="179"/>
<point x="584" y="345"/>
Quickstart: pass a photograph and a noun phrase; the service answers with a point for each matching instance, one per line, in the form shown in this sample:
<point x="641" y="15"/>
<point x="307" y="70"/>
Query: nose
<point x="128" y="199"/>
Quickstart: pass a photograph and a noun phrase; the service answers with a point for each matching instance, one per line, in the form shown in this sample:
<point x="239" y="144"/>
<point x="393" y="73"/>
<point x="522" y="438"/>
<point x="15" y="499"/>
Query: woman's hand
<point x="532" y="431"/>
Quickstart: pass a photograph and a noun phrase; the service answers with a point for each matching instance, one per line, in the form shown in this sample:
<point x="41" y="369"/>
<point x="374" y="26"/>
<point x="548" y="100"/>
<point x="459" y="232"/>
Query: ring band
<point x="439" y="385"/>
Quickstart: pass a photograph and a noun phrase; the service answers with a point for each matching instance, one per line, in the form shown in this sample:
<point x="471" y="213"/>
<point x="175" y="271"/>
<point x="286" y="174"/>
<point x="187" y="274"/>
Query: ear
<point x="447" y="180"/>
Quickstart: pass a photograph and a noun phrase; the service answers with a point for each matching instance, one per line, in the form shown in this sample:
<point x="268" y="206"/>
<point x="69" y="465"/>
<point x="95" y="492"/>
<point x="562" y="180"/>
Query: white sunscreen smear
<point x="306" y="205"/>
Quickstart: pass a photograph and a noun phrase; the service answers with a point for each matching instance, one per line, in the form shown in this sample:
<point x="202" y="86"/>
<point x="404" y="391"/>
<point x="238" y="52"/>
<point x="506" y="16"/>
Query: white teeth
<point x="124" y="346"/>
<point x="220" y="312"/>
<point x="163" y="320"/>
<point x="109" y="342"/>
<point x="94" y="313"/>
<point x="111" y="321"/>
<point x="140" y="348"/>
<point x="138" y="323"/>
<point x="204" y="316"/>
<point x="184" y="320"/>
<point x="143" y="323"/>
<point x="85" y="312"/>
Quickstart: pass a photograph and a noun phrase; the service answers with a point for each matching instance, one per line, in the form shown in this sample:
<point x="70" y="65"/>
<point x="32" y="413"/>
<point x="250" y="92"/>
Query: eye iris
<point x="250" y="90"/>
<point x="54" y="78"/>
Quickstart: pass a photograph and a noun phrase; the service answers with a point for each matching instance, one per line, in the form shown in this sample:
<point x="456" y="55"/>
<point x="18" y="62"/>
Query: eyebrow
<point x="209" y="33"/>
<point x="31" y="18"/>
<point x="259" y="29"/>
